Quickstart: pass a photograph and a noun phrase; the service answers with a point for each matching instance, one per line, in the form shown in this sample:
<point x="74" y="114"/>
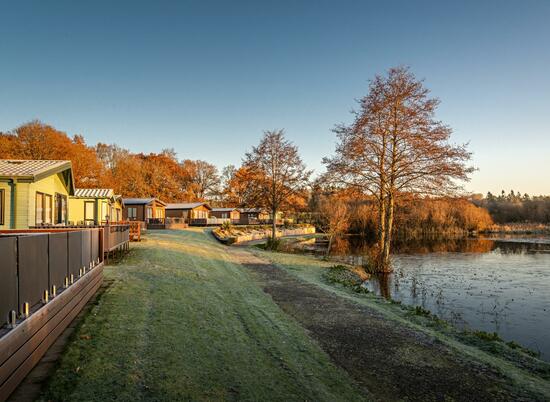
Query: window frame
<point x="93" y="211"/>
<point x="61" y="206"/>
<point x="132" y="213"/>
<point x="2" y="205"/>
<point x="44" y="197"/>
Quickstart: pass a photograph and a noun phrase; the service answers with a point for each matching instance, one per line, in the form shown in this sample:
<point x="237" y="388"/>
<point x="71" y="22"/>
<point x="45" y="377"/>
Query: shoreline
<point x="508" y="358"/>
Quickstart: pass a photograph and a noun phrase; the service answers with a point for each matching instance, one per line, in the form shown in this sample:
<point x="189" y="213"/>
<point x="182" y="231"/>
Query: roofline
<point x="142" y="203"/>
<point x="198" y="202"/>
<point x="66" y="165"/>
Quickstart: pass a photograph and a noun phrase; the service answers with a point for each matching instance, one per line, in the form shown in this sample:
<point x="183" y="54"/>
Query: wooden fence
<point x="116" y="237"/>
<point x="45" y="280"/>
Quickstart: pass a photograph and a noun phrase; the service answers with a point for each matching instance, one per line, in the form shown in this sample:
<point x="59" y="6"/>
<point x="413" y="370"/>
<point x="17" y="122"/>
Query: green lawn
<point x="181" y="321"/>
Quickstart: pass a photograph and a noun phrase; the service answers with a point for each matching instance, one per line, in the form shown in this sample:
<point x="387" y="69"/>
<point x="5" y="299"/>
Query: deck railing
<point x="36" y="262"/>
<point x="46" y="278"/>
<point x="116" y="236"/>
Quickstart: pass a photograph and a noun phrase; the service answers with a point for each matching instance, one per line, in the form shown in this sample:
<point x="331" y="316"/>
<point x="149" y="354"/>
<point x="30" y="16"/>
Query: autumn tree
<point x="36" y="140"/>
<point x="396" y="146"/>
<point x="276" y="172"/>
<point x="333" y="217"/>
<point x="206" y="179"/>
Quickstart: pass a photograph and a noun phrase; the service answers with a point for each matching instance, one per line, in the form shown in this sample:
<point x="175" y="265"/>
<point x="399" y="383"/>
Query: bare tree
<point x="278" y="172"/>
<point x="199" y="178"/>
<point x="396" y="146"/>
<point x="333" y="219"/>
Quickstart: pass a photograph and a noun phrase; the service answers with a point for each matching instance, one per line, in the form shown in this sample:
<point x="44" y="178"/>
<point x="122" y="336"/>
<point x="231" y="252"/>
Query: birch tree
<point x="396" y="146"/>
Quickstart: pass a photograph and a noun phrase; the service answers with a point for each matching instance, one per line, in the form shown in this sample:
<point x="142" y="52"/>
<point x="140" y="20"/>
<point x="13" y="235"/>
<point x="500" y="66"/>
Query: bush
<point x="272" y="244"/>
<point x="344" y="276"/>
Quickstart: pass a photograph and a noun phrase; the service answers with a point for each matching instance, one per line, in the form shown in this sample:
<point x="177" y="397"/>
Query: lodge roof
<point x="31" y="169"/>
<point x="187" y="205"/>
<point x="140" y="201"/>
<point x="251" y="210"/>
<point x="94" y="192"/>
<point x="224" y="209"/>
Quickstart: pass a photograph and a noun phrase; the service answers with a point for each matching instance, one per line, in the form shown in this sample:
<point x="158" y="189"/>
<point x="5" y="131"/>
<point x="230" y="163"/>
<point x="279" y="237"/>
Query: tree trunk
<point x="330" y="237"/>
<point x="381" y="232"/>
<point x="386" y="266"/>
<point x="273" y="227"/>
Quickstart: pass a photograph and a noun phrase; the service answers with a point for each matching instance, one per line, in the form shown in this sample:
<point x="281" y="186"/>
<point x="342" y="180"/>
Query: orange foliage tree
<point x="36" y="140"/>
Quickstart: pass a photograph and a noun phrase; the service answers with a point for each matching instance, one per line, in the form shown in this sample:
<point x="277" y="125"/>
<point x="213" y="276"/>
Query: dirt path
<point x="389" y="360"/>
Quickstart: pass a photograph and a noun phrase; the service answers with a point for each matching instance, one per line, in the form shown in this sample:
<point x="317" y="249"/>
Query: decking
<point x="45" y="280"/>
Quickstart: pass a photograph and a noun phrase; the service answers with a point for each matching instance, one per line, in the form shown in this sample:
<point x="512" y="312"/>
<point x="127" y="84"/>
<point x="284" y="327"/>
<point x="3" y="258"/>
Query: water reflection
<point x="494" y="285"/>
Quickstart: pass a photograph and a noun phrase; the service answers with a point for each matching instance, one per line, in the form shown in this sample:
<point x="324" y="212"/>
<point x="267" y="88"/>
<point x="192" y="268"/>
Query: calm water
<point x="500" y="286"/>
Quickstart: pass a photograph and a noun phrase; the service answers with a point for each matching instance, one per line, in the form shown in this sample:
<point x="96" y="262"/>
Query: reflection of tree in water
<point x="443" y="245"/>
<point x="384" y="282"/>
<point x="361" y="246"/>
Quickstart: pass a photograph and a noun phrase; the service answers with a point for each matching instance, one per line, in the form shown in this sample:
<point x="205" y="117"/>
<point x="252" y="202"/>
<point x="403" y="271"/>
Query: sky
<point x="208" y="77"/>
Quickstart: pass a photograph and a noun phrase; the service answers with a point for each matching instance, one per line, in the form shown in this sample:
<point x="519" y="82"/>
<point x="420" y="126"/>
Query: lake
<point x="494" y="285"/>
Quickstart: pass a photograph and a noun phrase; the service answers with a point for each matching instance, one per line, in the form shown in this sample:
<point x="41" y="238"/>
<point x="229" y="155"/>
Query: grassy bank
<point x="520" y="369"/>
<point x="183" y="321"/>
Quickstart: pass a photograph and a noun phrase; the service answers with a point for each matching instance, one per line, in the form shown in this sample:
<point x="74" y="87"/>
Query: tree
<point x="395" y="146"/>
<point x="276" y="172"/>
<point x="206" y="179"/>
<point x="334" y="217"/>
<point x="36" y="140"/>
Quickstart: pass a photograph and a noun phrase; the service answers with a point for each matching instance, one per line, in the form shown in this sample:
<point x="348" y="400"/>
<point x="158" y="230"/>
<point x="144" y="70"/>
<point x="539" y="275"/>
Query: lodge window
<point x="60" y="214"/>
<point x="43" y="209"/>
<point x="149" y="213"/>
<point x="132" y="213"/>
<point x="1" y="207"/>
<point x="224" y="215"/>
<point x="104" y="212"/>
<point x="89" y="207"/>
<point x="159" y="214"/>
<point x="199" y="214"/>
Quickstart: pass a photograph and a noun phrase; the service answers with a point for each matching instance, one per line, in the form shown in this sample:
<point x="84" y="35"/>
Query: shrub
<point x="344" y="276"/>
<point x="272" y="244"/>
<point x="487" y="336"/>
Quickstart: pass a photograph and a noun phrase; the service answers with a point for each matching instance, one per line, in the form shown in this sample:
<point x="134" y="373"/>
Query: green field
<point x="186" y="318"/>
<point x="182" y="321"/>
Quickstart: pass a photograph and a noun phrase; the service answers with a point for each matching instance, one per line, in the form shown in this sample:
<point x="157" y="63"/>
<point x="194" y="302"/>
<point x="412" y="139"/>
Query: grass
<point x="181" y="321"/>
<point x="522" y="368"/>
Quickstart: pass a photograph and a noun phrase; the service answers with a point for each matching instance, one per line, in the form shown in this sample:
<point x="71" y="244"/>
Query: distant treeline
<point x="110" y="166"/>
<point x="131" y="174"/>
<point x="515" y="207"/>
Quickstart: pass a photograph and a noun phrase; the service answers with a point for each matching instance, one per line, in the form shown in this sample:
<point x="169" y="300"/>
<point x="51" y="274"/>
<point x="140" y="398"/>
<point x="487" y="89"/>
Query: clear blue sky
<point x="207" y="77"/>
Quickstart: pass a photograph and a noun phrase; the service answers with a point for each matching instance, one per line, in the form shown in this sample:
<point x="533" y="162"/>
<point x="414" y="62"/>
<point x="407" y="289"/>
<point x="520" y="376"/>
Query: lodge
<point x="151" y="210"/>
<point x="253" y="216"/>
<point x="193" y="213"/>
<point x="232" y="215"/>
<point x="95" y="206"/>
<point x="34" y="193"/>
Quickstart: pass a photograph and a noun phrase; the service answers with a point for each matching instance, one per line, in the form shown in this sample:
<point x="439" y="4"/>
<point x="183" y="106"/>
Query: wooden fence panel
<point x="58" y="259"/>
<point x="86" y="248"/>
<point x="33" y="268"/>
<point x="8" y="277"/>
<point x="75" y="252"/>
<point x="95" y="245"/>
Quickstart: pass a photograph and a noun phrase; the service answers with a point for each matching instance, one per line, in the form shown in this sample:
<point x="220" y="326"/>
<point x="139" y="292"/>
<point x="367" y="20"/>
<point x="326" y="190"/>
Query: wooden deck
<point x="46" y="279"/>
